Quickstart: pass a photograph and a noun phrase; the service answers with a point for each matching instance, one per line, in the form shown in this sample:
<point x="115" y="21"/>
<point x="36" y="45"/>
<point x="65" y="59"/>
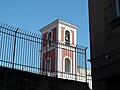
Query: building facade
<point x="104" y="17"/>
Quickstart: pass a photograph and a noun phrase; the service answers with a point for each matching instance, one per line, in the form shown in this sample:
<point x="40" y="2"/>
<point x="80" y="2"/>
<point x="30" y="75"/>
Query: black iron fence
<point x="24" y="50"/>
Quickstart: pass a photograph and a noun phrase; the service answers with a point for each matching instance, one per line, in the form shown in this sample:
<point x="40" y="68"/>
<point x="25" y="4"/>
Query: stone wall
<point x="11" y="79"/>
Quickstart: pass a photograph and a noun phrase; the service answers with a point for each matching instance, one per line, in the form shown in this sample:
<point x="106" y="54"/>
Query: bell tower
<point x="58" y="53"/>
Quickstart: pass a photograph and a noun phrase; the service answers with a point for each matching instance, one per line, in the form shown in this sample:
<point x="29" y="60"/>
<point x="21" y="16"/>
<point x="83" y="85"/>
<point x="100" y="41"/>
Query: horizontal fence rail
<point x="24" y="51"/>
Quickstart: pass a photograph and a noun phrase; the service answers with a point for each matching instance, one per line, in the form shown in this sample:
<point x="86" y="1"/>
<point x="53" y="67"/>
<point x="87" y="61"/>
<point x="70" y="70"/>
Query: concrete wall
<point x="11" y="79"/>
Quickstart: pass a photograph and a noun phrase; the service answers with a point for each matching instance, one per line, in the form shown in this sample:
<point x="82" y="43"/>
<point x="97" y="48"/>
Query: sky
<point x="32" y="15"/>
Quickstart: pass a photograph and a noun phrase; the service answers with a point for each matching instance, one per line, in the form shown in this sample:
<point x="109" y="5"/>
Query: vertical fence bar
<point x="0" y="41"/>
<point x="75" y="62"/>
<point x="14" y="47"/>
<point x="85" y="65"/>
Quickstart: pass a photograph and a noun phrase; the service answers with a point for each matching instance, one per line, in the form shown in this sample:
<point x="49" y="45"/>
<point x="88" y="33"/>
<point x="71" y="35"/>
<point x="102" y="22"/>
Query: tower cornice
<point x="56" y="22"/>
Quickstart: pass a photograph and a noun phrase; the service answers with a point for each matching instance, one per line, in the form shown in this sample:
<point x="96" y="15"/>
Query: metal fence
<point x="22" y="50"/>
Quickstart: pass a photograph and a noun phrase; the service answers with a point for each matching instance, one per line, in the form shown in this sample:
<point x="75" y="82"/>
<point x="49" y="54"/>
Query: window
<point x="114" y="15"/>
<point x="117" y="6"/>
<point x="49" y="38"/>
<point x="67" y="37"/>
<point x="115" y="9"/>
<point x="67" y="65"/>
<point x="48" y="65"/>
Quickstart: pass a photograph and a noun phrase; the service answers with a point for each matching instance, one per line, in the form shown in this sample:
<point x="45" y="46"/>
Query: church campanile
<point x="58" y="51"/>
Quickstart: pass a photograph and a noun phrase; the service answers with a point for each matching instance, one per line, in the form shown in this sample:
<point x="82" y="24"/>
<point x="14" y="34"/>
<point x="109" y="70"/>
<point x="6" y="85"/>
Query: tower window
<point x="67" y="37"/>
<point x="48" y="65"/>
<point x="49" y="38"/>
<point x="67" y="65"/>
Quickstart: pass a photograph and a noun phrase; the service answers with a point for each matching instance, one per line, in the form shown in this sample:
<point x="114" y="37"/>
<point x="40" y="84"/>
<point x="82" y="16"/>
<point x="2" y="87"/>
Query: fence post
<point x="14" y="48"/>
<point x="86" y="64"/>
<point x="75" y="63"/>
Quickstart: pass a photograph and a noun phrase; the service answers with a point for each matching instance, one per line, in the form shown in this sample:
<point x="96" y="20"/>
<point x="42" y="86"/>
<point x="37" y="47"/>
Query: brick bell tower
<point x="58" y="47"/>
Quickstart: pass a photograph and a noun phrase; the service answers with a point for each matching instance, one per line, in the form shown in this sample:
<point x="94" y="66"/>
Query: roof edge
<point x="56" y="22"/>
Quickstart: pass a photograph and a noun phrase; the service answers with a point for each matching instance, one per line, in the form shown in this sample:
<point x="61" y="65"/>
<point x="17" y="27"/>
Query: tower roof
<point x="56" y="22"/>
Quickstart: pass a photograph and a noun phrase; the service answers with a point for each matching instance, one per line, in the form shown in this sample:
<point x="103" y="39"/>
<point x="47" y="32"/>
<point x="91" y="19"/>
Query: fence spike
<point x="14" y="28"/>
<point x="1" y="24"/>
<point x="21" y="30"/>
<point x="8" y="26"/>
<point x="30" y="33"/>
<point x="17" y="29"/>
<point x="25" y="31"/>
<point x="4" y="25"/>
